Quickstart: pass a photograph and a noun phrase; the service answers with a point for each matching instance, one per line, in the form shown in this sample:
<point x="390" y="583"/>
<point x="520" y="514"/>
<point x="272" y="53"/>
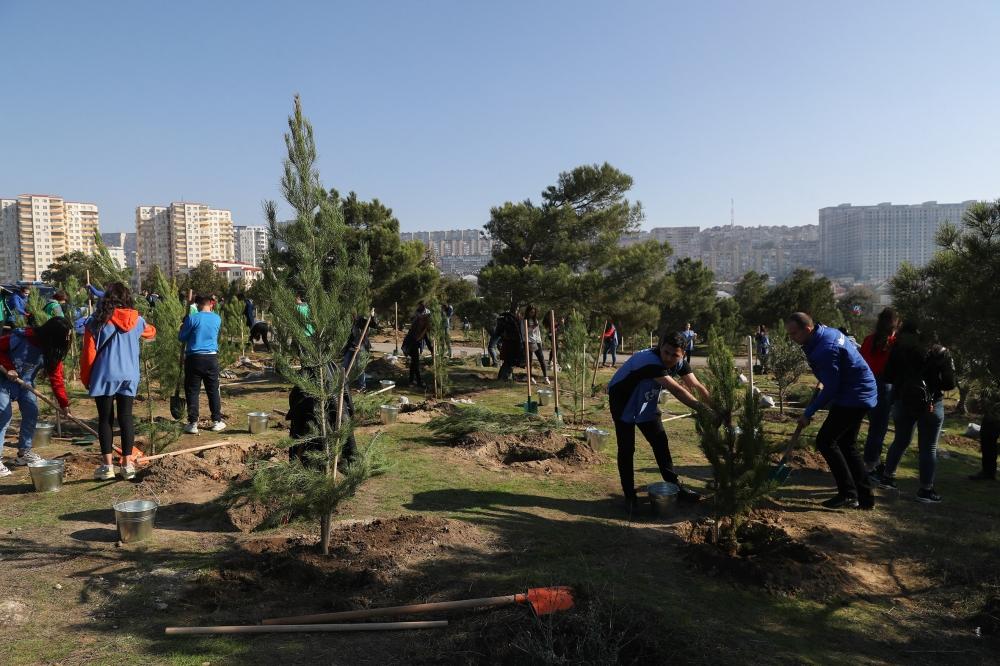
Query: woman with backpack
<point x="919" y="373"/>
<point x="109" y="369"/>
<point x="535" y="339"/>
<point x="22" y="354"/>
<point x="875" y="350"/>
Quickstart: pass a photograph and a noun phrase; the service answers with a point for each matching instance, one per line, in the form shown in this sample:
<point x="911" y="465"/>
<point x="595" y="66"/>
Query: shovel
<point x="136" y="452"/>
<point x="543" y="601"/>
<point x="783" y="470"/>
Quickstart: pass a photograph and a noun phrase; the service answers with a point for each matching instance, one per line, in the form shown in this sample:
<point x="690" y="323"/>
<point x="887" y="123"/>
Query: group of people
<point x="517" y="334"/>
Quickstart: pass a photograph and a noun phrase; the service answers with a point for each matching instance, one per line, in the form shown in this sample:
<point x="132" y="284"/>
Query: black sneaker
<point x="839" y="501"/>
<point x="982" y="476"/>
<point x="866" y="501"/>
<point x="887" y="483"/>
<point x="928" y="496"/>
<point x="631" y="504"/>
<point x="876" y="474"/>
<point x="688" y="496"/>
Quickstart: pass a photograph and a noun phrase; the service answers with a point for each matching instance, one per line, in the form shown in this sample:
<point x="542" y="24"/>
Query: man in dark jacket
<point x="850" y="391"/>
<point x="509" y="331"/>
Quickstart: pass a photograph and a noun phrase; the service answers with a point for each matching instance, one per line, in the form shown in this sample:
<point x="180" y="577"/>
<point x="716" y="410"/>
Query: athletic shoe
<point x="928" y="496"/>
<point x="4" y="471"/>
<point x="191" y="429"/>
<point x="127" y="472"/>
<point x="27" y="457"/>
<point x="866" y="502"/>
<point x="982" y="476"/>
<point x="875" y="476"/>
<point x="631" y="504"/>
<point x="839" y="501"/>
<point x="887" y="483"/>
<point x="688" y="496"/>
<point x="104" y="473"/>
<point x="547" y="381"/>
<point x="218" y="426"/>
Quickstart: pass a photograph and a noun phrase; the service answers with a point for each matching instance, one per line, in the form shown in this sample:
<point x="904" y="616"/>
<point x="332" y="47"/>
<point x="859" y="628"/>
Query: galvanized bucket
<point x="544" y="396"/>
<point x="47" y="475"/>
<point x="135" y="520"/>
<point x="663" y="497"/>
<point x="596" y="437"/>
<point x="43" y="434"/>
<point x="389" y="413"/>
<point x="257" y="422"/>
<point x="386" y="384"/>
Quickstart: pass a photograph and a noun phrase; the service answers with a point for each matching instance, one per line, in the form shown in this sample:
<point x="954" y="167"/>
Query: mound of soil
<point x="382" y="368"/>
<point x="79" y="465"/>
<point x="424" y="411"/>
<point x="545" y="452"/>
<point x="203" y="475"/>
<point x="773" y="416"/>
<point x="369" y="563"/>
<point x="809" y="459"/>
<point x="766" y="556"/>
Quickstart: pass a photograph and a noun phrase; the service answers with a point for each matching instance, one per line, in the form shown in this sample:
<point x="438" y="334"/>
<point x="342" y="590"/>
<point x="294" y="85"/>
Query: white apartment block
<point x="38" y="228"/>
<point x="251" y="244"/>
<point x="870" y="242"/>
<point x="458" y="251"/>
<point x="180" y="236"/>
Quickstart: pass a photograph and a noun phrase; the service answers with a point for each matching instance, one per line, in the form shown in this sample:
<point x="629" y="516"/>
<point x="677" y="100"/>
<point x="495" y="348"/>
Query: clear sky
<point x="444" y="109"/>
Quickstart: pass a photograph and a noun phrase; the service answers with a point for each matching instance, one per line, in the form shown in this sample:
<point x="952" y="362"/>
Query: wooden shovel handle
<point x="177" y="453"/>
<point x="292" y="628"/>
<point x="399" y="610"/>
<point x="72" y="418"/>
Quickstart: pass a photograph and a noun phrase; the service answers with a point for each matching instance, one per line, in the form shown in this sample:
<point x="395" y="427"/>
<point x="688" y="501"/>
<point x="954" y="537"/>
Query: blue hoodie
<point x="201" y="333"/>
<point x="847" y="379"/>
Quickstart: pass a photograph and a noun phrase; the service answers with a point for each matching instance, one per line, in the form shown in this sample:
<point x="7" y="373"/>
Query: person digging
<point x="850" y="391"/>
<point x="633" y="398"/>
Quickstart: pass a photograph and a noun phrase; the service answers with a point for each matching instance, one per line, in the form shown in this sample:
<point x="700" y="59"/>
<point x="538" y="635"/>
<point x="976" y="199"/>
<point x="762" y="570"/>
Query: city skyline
<point x="787" y="110"/>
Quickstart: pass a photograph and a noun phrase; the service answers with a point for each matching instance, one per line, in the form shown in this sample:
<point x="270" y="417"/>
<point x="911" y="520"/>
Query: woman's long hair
<point x="54" y="338"/>
<point x="117" y="295"/>
<point x="888" y="321"/>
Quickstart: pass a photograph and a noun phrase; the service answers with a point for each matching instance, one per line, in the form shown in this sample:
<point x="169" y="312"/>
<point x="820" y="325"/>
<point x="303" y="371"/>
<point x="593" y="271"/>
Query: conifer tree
<point x="234" y="332"/>
<point x="733" y="441"/>
<point x="438" y="337"/>
<point x="333" y="283"/>
<point x="164" y="353"/>
<point x="575" y="361"/>
<point x="787" y="363"/>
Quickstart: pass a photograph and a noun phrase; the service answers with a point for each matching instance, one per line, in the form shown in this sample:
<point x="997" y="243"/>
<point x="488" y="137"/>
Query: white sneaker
<point x="191" y="429"/>
<point x="4" y="471"/>
<point x="547" y="381"/>
<point x="128" y="471"/>
<point x="104" y="473"/>
<point x="25" y="458"/>
<point x="218" y="426"/>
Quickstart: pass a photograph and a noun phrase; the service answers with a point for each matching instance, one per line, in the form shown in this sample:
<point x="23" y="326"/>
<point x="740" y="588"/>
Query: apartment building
<point x="121" y="245"/>
<point x="180" y="236"/>
<point x="458" y="251"/>
<point x="251" y="243"/>
<point x="38" y="228"/>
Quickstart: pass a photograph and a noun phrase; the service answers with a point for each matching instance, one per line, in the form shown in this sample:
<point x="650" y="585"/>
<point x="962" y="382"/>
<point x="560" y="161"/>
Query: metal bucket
<point x="386" y="384"/>
<point x="47" y="475"/>
<point x="544" y="396"/>
<point x="135" y="520"/>
<point x="43" y="434"/>
<point x="389" y="413"/>
<point x="257" y="422"/>
<point x="596" y="437"/>
<point x="663" y="497"/>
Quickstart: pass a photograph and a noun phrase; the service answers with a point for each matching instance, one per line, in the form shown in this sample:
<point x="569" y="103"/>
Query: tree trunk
<point x="963" y="395"/>
<point x="324" y="527"/>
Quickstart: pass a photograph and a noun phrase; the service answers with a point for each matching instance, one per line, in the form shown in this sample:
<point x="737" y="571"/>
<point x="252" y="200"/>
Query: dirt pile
<point x="203" y="475"/>
<point x="383" y="368"/>
<point x="370" y="563"/>
<point x="808" y="459"/>
<point x="545" y="452"/>
<point x="79" y="465"/>
<point x="766" y="556"/>
<point x="424" y="411"/>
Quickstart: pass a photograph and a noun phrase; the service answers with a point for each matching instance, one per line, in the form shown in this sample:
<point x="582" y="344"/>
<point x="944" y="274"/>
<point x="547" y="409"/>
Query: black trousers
<point x="657" y="437"/>
<point x="539" y="354"/>
<point x="836" y="441"/>
<point x="261" y="331"/>
<point x="989" y="433"/>
<point x="303" y="424"/>
<point x="200" y="368"/>
<point x="415" y="369"/>
<point x="106" y="409"/>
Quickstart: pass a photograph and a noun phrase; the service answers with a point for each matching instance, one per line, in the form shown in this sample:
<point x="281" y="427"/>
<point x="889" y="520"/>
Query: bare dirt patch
<point x="423" y="411"/>
<point x="808" y="459"/>
<point x="204" y="475"/>
<point x="544" y="452"/>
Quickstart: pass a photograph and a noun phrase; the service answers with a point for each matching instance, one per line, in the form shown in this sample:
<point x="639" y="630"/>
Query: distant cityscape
<point x="849" y="243"/>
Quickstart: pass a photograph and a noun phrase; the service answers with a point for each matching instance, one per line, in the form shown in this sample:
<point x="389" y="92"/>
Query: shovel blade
<point x="546" y="600"/>
<point x="780" y="473"/>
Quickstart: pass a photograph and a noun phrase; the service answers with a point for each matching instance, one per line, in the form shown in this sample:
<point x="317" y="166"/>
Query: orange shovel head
<point x="545" y="600"/>
<point x="137" y="455"/>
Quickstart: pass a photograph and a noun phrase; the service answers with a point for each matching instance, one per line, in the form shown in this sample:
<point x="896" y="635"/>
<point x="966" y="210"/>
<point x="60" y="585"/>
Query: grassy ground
<point x="913" y="575"/>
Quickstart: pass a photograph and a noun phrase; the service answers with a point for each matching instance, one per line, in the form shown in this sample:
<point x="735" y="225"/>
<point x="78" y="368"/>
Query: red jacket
<point x="875" y="357"/>
<point x="55" y="377"/>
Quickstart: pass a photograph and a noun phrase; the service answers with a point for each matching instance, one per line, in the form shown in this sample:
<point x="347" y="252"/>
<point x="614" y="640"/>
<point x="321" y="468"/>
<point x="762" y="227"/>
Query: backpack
<point x="917" y="397"/>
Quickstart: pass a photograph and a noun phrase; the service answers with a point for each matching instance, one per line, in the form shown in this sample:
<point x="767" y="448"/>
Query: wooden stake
<point x="395" y="329"/>
<point x="555" y="359"/>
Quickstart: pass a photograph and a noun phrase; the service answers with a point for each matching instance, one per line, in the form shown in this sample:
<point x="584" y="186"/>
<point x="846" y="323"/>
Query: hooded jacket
<point x="109" y="364"/>
<point x="19" y="352"/>
<point x="847" y="379"/>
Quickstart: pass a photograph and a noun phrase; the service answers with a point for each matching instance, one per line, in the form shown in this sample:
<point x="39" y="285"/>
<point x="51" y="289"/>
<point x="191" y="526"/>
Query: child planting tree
<point x="733" y="442"/>
<point x="335" y="285"/>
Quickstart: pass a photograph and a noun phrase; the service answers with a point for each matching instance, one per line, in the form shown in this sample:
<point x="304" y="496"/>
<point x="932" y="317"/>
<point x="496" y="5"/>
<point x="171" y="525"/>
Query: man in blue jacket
<point x="200" y="334"/>
<point x="850" y="391"/>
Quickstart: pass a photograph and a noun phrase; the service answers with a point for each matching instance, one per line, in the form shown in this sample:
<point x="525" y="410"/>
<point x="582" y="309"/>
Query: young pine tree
<point x="233" y="336"/>
<point x="333" y="284"/>
<point x="787" y="363"/>
<point x="575" y="361"/>
<point x="439" y="338"/>
<point x="163" y="357"/>
<point x="733" y="441"/>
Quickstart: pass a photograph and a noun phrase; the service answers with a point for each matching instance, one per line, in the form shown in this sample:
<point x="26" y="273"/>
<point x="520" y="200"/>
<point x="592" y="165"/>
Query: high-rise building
<point x="251" y="244"/>
<point x="870" y="242"/>
<point x="38" y="228"/>
<point x="458" y="251"/>
<point x="180" y="236"/>
<point x="121" y="245"/>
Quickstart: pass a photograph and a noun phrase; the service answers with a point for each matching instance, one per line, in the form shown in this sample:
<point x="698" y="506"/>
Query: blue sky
<point x="444" y="109"/>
